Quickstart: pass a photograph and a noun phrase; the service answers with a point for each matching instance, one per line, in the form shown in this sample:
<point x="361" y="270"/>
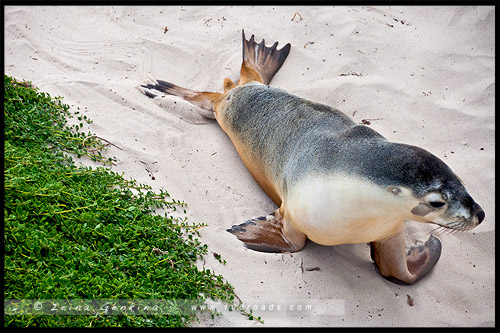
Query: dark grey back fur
<point x="296" y="137"/>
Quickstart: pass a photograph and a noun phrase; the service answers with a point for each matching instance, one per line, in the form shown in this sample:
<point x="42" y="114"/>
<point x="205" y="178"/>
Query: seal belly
<point x="339" y="209"/>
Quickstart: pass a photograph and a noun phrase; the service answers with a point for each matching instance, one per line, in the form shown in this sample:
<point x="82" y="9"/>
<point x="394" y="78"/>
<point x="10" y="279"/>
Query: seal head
<point x="436" y="192"/>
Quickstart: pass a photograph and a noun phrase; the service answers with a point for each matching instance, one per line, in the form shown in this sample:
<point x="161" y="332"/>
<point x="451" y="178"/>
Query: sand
<point x="421" y="75"/>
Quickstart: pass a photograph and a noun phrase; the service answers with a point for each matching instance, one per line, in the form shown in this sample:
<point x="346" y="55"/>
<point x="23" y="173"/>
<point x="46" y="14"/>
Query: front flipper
<point x="400" y="267"/>
<point x="269" y="233"/>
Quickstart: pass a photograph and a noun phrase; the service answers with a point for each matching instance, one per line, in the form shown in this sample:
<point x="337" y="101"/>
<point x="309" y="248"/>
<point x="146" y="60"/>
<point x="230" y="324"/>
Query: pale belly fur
<point x="339" y="209"/>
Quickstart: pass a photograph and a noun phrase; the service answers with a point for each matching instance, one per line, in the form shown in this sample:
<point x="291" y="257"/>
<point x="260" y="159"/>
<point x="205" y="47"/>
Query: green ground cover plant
<point x="77" y="232"/>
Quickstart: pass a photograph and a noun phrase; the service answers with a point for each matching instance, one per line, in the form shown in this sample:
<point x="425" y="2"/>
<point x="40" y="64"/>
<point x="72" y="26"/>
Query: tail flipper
<point x="205" y="100"/>
<point x="260" y="62"/>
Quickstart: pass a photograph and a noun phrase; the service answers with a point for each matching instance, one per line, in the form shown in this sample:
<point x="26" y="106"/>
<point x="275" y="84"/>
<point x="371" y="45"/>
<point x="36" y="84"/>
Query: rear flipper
<point x="405" y="268"/>
<point x="260" y="62"/>
<point x="269" y="233"/>
<point x="205" y="100"/>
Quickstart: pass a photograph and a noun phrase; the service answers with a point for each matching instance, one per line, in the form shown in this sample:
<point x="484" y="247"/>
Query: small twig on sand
<point x="368" y="121"/>
<point x="102" y="139"/>
<point x="192" y="230"/>
<point x="149" y="170"/>
<point x="296" y="13"/>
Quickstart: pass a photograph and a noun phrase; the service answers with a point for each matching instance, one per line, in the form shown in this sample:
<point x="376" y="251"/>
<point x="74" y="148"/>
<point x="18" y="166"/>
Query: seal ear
<point x="394" y="189"/>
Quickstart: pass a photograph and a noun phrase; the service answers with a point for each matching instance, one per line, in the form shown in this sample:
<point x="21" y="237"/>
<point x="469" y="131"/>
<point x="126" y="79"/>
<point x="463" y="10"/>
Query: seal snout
<point x="477" y="212"/>
<point x="479" y="215"/>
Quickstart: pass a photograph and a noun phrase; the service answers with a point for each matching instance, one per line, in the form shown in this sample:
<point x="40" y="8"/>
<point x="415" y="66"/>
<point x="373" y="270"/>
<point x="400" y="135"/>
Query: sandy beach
<point x="424" y="76"/>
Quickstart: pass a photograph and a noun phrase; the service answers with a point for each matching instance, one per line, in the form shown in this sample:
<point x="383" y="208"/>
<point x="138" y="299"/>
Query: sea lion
<point x="334" y="181"/>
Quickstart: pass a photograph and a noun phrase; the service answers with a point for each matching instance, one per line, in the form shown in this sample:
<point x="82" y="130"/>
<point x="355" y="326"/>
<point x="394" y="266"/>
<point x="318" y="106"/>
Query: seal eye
<point x="437" y="204"/>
